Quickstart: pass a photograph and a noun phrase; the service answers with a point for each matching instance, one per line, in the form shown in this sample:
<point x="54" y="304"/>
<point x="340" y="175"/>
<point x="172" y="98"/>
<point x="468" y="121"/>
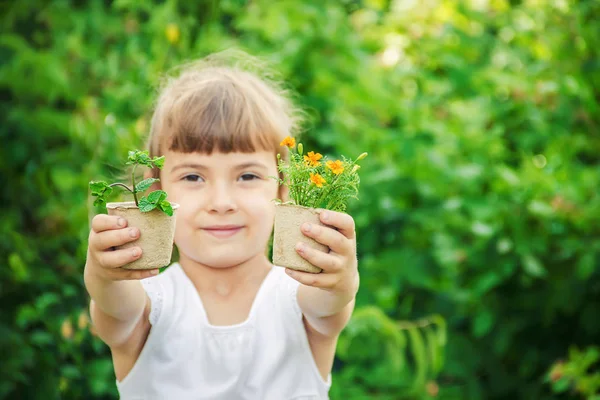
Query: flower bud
<point x="363" y="155"/>
<point x="356" y="168"/>
<point x="300" y="148"/>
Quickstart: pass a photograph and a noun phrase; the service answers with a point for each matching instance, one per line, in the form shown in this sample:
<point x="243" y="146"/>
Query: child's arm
<point x="118" y="299"/>
<point x="327" y="299"/>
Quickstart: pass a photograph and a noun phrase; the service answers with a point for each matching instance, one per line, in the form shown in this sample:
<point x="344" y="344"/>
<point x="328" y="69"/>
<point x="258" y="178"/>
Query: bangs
<point x="226" y="118"/>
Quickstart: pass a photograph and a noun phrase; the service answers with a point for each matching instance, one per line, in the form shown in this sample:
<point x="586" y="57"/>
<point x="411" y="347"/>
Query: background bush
<point x="479" y="204"/>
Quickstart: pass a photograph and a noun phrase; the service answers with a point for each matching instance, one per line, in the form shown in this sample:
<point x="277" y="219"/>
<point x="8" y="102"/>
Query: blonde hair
<point x="227" y="102"/>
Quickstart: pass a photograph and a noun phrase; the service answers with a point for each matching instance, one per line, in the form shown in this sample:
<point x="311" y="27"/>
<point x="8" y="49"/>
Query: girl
<point x="222" y="322"/>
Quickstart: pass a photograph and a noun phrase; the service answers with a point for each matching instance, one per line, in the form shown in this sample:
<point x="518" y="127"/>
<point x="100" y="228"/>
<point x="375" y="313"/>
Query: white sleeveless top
<point x="185" y="357"/>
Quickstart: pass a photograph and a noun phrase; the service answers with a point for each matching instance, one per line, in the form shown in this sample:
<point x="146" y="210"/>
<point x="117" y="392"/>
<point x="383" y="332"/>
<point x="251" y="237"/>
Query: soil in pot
<point x="157" y="231"/>
<point x="288" y="220"/>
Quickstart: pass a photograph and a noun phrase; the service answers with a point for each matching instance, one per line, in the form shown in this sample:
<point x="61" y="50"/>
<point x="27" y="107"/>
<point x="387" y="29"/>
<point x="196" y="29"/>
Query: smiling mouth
<point x="223" y="232"/>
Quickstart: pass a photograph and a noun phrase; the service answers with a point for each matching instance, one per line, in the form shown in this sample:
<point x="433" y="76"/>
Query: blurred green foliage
<point x="578" y="374"/>
<point x="478" y="209"/>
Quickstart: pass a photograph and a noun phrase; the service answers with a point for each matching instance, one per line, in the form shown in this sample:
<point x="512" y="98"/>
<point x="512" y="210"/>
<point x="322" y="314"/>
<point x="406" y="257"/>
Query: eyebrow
<point x="188" y="165"/>
<point x="204" y="167"/>
<point x="250" y="165"/>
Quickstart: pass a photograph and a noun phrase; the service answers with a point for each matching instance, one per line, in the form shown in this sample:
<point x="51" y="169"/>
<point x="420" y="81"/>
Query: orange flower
<point x="335" y="166"/>
<point x="317" y="179"/>
<point x="288" y="141"/>
<point x="313" y="158"/>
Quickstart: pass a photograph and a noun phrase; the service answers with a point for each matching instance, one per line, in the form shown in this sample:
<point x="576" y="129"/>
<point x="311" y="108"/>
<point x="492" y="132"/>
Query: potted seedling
<point x="151" y="214"/>
<point x="314" y="183"/>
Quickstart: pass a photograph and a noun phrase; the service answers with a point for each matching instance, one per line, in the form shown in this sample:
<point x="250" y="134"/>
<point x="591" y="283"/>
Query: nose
<point x="222" y="200"/>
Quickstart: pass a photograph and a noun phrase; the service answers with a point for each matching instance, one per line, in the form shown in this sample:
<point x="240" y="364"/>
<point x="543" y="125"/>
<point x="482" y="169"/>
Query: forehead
<point x="220" y="160"/>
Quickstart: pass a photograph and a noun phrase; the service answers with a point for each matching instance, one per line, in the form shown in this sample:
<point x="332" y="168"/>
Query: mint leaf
<point x="157" y="196"/>
<point x="159" y="162"/>
<point x="98" y="187"/>
<point x="139" y="158"/>
<point x="99" y="202"/>
<point x="131" y="157"/>
<point x="166" y="207"/>
<point x="144" y="205"/>
<point x="144" y="159"/>
<point x="145" y="184"/>
<point x="101" y="190"/>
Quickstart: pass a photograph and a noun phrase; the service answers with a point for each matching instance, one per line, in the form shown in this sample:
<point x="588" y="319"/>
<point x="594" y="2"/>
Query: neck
<point x="224" y="281"/>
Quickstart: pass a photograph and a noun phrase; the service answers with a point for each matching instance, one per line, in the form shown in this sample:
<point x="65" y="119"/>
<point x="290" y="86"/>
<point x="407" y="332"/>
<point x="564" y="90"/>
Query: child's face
<point x="226" y="204"/>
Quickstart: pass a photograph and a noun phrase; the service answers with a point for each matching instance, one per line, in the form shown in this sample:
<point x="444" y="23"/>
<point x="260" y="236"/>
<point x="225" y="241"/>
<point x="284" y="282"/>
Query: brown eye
<point x="248" y="177"/>
<point x="193" y="178"/>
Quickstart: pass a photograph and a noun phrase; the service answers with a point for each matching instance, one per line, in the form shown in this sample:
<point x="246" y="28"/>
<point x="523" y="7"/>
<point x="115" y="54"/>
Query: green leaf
<point x="101" y="190"/>
<point x="145" y="205"/>
<point x="434" y="348"/>
<point x="19" y="269"/>
<point x="131" y="157"/>
<point x="533" y="266"/>
<point x="142" y="158"/>
<point x="41" y="338"/>
<point x="420" y="357"/>
<point x="159" y="162"/>
<point x="157" y="196"/>
<point x="70" y="371"/>
<point x="145" y="184"/>
<point x="98" y="187"/>
<point x="139" y="158"/>
<point x="166" y="207"/>
<point x="482" y="324"/>
<point x="99" y="202"/>
<point x="561" y="385"/>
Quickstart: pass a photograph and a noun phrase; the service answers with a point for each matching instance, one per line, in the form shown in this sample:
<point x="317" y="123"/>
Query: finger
<point x="117" y="258"/>
<point x="328" y="262"/>
<point x="341" y="221"/>
<point x="328" y="236"/>
<point x="323" y="281"/>
<point x="103" y="222"/>
<point x="113" y="238"/>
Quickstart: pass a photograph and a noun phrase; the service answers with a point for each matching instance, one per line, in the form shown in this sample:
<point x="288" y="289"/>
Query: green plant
<point x="314" y="181"/>
<point x="404" y="358"/>
<point x="155" y="199"/>
<point x="578" y="374"/>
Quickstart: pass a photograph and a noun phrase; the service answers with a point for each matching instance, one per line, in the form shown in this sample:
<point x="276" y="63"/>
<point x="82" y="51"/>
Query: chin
<point x="222" y="261"/>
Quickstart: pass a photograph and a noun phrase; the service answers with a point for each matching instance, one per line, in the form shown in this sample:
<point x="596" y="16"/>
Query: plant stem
<point x="133" y="185"/>
<point x="325" y="193"/>
<point x="120" y="184"/>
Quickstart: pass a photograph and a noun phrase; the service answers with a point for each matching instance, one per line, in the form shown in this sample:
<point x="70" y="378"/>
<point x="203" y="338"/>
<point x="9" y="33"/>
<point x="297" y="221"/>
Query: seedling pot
<point x="157" y="231"/>
<point x="288" y="220"/>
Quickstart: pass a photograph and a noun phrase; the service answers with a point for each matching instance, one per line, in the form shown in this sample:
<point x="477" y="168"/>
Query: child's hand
<point x="340" y="266"/>
<point x="110" y="231"/>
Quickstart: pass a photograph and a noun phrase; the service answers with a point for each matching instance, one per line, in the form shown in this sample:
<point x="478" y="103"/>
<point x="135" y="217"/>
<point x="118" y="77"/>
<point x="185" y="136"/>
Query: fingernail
<point x="154" y="272"/>
<point x="306" y="227"/>
<point x="300" y="247"/>
<point x="133" y="232"/>
<point x="135" y="252"/>
<point x="324" y="216"/>
<point x="289" y="271"/>
<point x="121" y="222"/>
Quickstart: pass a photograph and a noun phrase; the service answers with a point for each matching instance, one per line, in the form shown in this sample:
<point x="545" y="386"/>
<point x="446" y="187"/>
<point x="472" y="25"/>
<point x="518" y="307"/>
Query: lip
<point x="222" y="231"/>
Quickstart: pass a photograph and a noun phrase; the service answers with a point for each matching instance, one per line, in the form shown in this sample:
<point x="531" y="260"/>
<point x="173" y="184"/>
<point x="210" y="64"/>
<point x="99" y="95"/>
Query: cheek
<point x="188" y="207"/>
<point x="261" y="208"/>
